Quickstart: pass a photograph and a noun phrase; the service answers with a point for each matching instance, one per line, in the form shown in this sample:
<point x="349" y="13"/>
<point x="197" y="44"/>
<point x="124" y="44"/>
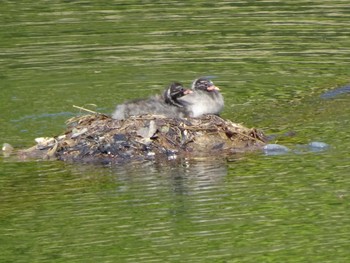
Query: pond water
<point x="274" y="61"/>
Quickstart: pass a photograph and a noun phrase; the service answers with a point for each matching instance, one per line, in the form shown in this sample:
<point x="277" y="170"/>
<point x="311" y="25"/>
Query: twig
<point x="81" y="108"/>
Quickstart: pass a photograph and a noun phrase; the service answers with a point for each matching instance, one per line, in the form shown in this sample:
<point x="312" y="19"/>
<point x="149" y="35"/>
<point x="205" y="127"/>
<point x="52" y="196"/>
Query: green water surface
<point x="272" y="60"/>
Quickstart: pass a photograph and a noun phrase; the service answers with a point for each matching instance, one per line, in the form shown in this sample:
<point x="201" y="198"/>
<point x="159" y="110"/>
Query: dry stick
<point x="81" y="108"/>
<point x="248" y="136"/>
<point x="76" y="118"/>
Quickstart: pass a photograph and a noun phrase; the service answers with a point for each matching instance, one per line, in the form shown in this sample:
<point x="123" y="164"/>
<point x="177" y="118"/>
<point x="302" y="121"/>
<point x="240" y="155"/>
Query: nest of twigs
<point x="99" y="138"/>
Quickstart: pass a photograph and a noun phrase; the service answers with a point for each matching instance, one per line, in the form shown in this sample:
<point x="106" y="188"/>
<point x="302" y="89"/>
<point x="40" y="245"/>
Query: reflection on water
<point x="194" y="175"/>
<point x="241" y="209"/>
<point x="272" y="60"/>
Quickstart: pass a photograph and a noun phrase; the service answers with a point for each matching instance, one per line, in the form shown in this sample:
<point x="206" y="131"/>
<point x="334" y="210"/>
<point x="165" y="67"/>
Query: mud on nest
<point x="99" y="138"/>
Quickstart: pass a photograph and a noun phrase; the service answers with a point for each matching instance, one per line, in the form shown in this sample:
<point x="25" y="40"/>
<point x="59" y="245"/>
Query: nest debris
<point x="99" y="138"/>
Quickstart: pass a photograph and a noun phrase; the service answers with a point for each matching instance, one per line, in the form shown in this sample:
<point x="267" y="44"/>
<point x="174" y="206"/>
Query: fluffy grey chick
<point x="205" y="99"/>
<point x="166" y="104"/>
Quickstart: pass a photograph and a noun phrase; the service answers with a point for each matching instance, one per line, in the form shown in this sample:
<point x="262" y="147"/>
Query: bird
<point x="205" y="99"/>
<point x="166" y="104"/>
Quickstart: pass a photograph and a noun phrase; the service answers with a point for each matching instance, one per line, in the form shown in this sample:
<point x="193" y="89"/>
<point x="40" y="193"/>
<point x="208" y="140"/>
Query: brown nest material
<point x="99" y="138"/>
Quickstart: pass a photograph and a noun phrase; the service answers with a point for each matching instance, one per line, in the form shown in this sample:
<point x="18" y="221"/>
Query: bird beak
<point x="187" y="91"/>
<point x="211" y="88"/>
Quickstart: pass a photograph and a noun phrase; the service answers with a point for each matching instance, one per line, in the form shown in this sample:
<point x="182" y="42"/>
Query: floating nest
<point x="99" y="138"/>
